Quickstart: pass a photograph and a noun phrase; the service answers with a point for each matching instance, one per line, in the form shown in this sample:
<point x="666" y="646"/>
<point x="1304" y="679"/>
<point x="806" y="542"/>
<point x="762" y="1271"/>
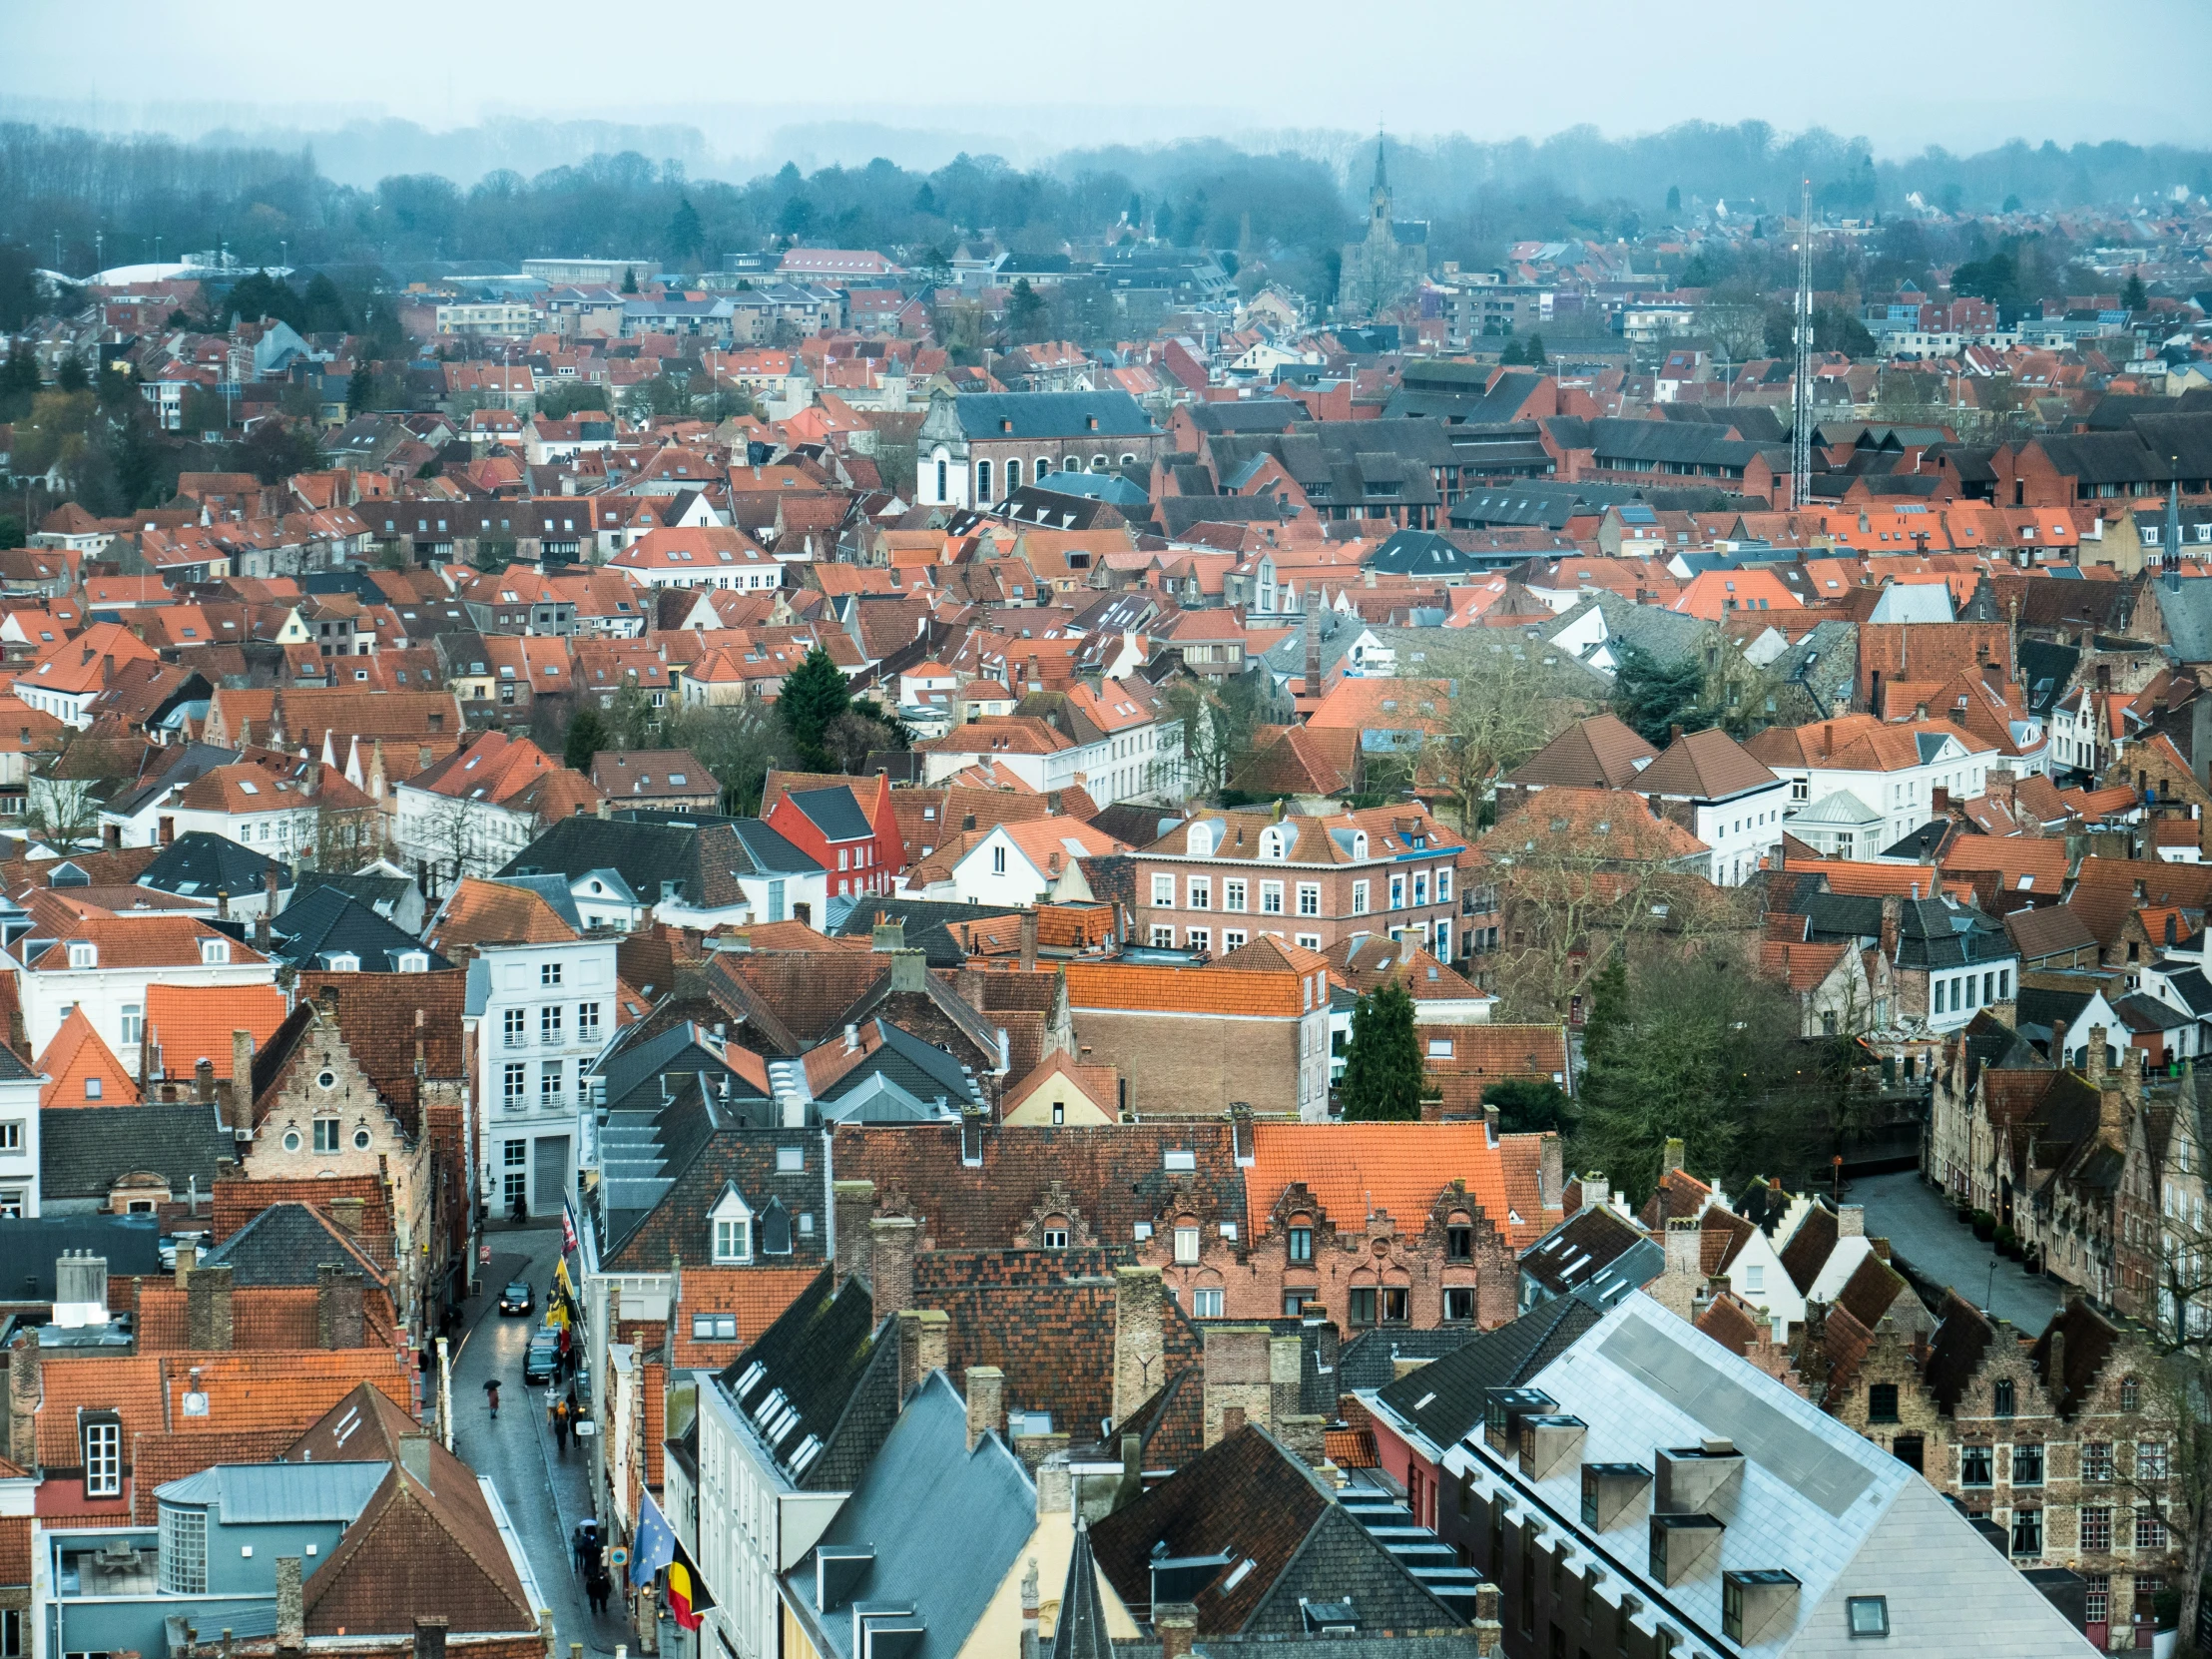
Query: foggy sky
<point x="1966" y="74"/>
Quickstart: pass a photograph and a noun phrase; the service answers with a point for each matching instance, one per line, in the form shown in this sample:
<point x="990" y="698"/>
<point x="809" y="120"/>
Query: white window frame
<point x="730" y="1231"/>
<point x="1233" y="894"/>
<point x="1163" y="892"/>
<point x="1199" y="892"/>
<point x="1309" y="898"/>
<point x="103" y="1455"/>
<point x="1270" y="898"/>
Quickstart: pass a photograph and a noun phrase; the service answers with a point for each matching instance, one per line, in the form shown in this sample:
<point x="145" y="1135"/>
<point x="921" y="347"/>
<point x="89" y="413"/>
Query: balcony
<point x="552" y="1039"/>
<point x="516" y="1039"/>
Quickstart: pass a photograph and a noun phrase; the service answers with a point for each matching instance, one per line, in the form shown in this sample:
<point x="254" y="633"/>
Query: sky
<point x="1965" y="74"/>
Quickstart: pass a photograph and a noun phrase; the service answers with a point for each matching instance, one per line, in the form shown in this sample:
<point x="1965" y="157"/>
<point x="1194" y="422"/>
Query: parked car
<point x="517" y="1298"/>
<point x="545" y="1356"/>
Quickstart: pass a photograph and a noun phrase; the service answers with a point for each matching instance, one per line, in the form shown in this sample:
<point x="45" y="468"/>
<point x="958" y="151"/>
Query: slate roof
<point x="1598" y="1254"/>
<point x="327" y="921"/>
<point x="200" y="864"/>
<point x="85" y="1150"/>
<point x="30" y="1247"/>
<point x="286" y="1245"/>
<point x="1369" y="1359"/>
<point x="835" y="813"/>
<point x="836" y="1369"/>
<point x="1052" y="414"/>
<point x="1247" y="1498"/>
<point x="944" y="1575"/>
<point x="1447" y="1398"/>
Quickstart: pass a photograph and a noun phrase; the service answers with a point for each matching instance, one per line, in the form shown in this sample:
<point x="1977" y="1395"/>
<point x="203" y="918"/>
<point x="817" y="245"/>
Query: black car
<point x="517" y="1298"/>
<point x="545" y="1356"/>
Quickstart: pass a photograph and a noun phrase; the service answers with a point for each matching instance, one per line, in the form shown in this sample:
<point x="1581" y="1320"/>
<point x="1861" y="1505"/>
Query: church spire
<point x="1382" y="173"/>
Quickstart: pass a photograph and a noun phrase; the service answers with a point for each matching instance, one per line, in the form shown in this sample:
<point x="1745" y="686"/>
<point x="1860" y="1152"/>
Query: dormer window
<point x="216" y="953"/>
<point x="731" y="1229"/>
<point x="1275" y="841"/>
<point x="82" y="953"/>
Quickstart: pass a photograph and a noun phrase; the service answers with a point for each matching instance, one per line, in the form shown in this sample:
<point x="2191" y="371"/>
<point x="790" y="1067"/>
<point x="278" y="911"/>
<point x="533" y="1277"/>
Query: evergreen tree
<point x="1674" y="199"/>
<point x="360" y="388"/>
<point x="628" y="279"/>
<point x="687" y="237"/>
<point x="325" y="308"/>
<point x="587" y="736"/>
<point x="1654" y="697"/>
<point x="1528" y="1108"/>
<point x="1533" y="353"/>
<point x="1025" y="311"/>
<point x="813" y="696"/>
<point x="2134" y="298"/>
<point x="1383" y="1069"/>
<point x="70" y="376"/>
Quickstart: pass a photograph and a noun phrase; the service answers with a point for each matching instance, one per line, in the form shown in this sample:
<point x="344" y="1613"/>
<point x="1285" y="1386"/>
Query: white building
<point x="1018" y="864"/>
<point x="539" y="1012"/>
<point x="19" y="1090"/>
<point x="1736" y="803"/>
<point x="1892" y="768"/>
<point x="103" y="963"/>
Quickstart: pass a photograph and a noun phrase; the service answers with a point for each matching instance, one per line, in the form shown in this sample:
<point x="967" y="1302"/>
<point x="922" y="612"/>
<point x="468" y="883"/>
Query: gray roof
<point x="285" y="1245"/>
<point x="200" y="863"/>
<point x="30" y="1247"/>
<point x="944" y="1575"/>
<point x="1052" y="414"/>
<point x="834" y="812"/>
<point x="2186" y="606"/>
<point x="85" y="1150"/>
<point x="247" y="1494"/>
<point x="327" y="921"/>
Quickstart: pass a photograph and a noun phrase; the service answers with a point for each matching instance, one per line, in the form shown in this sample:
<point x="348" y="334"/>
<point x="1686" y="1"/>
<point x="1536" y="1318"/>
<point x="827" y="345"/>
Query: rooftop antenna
<point x="1800" y="405"/>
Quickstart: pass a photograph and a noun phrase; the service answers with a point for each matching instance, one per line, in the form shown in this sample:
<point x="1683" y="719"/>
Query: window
<point x="2131" y="1394"/>
<point x="1459" y="1244"/>
<point x="183" y="1550"/>
<point x="1976" y="1465"/>
<point x="1459" y="1303"/>
<point x="327" y="1134"/>
<point x="714" y="1328"/>
<point x="2005" y="1396"/>
<point x="998" y="860"/>
<point x="1755" y="1279"/>
<point x="515" y="1085"/>
<point x="1420" y="890"/>
<point x="1302" y="1244"/>
<point x="134" y="1019"/>
<point x="1361" y="1305"/>
<point x="2150" y="1531"/>
<point x="1233" y="895"/>
<point x="549" y="1083"/>
<point x="514" y="1158"/>
<point x="2027" y="1464"/>
<point x="1056" y="1237"/>
<point x="549" y="1023"/>
<point x="1309" y="898"/>
<point x="1394" y="1300"/>
<point x="2150" y="1461"/>
<point x="1163" y="939"/>
<point x="103" y="1438"/>
<point x="514" y="1026"/>
<point x="1199" y="939"/>
<point x="733" y="1238"/>
<point x="1866" y="1615"/>
<point x="1397" y="892"/>
<point x="1443" y="886"/>
<point x="587" y="1022"/>
<point x="1270" y="898"/>
<point x="2097" y="1602"/>
<point x="1359" y="898"/>
<point x="2096" y="1529"/>
<point x="214" y="952"/>
<point x="1163" y="892"/>
<point x="1186" y="1245"/>
<point x="1201" y="891"/>
<point x="2096" y="1462"/>
<point x="1206" y="1304"/>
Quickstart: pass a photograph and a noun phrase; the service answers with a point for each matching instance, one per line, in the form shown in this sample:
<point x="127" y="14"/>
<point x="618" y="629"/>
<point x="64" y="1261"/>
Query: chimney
<point x="986" y="1403"/>
<point x="891" y="1264"/>
<point x="1139" y="1349"/>
<point x="1232" y="1419"/>
<point x="1685" y="1244"/>
<point x="1029" y="942"/>
<point x="909" y="970"/>
<point x="2093" y="1058"/>
<point x="414" y="1456"/>
<point x="924" y="1346"/>
<point x="208" y="1311"/>
<point x="429" y="1637"/>
<point x="1596" y="1190"/>
<point x="1311" y="626"/>
<point x="292" y="1607"/>
<point x="1892" y="917"/>
<point x="1671" y="1158"/>
<point x="1851" y="1221"/>
<point x="853" y="1202"/>
<point x="1176" y="1624"/>
<point x="1551" y="1179"/>
<point x="107" y="672"/>
<point x="203" y="1080"/>
<point x="337" y="1309"/>
<point x="242" y="1081"/>
<point x="851" y="1038"/>
<point x="1489" y="1123"/>
<point x="269" y="892"/>
<point x="2058" y="1044"/>
<point x="25" y="1394"/>
<point x="186" y="1255"/>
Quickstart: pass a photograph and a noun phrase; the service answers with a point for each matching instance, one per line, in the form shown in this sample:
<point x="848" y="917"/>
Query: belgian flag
<point x="688" y="1598"/>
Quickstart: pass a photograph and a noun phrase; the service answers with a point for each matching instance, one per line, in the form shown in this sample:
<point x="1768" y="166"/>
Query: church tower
<point x="1379" y="199"/>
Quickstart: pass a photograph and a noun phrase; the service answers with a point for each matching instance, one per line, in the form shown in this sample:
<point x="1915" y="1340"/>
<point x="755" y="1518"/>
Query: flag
<point x="568" y="1229"/>
<point x="653" y="1545"/>
<point x="561" y="1280"/>
<point x="688" y="1597"/>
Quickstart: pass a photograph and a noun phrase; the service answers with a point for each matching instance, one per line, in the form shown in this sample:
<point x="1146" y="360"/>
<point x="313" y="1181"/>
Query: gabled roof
<point x="1601" y="753"/>
<point x="188" y="1023"/>
<point x="75" y="1061"/>
<point x="1446" y="1398"/>
<point x="821" y="1357"/>
<point x="1704" y="766"/>
<point x="85" y="1150"/>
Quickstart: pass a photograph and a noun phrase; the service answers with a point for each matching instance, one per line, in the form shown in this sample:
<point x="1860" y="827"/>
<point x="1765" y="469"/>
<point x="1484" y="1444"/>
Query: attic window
<point x="1179" y="1159"/>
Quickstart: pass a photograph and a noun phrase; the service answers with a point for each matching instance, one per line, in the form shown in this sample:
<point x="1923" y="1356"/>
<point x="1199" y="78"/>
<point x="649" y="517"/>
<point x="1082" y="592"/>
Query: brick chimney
<point x="986" y="1403"/>
<point x="1311" y="626"/>
<point x="1176" y="1624"/>
<point x="25" y="1393"/>
<point x="338" y="1307"/>
<point x="1029" y="942"/>
<point x="2093" y="1058"/>
<point x="208" y="1311"/>
<point x="429" y="1637"/>
<point x="891" y="1264"/>
<point x="854" y="1204"/>
<point x="924" y="1346"/>
<point x="1892" y="917"/>
<point x="1140" y="1354"/>
<point x="203" y="1080"/>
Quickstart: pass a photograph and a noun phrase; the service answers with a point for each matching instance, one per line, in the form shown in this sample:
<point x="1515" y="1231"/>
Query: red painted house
<point x="847" y="829"/>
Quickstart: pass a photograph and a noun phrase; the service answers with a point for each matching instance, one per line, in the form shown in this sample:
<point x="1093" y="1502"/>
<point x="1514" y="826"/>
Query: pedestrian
<point x="491" y="1396"/>
<point x="587" y="1544"/>
<point x="560" y="1425"/>
<point x="597" y="1589"/>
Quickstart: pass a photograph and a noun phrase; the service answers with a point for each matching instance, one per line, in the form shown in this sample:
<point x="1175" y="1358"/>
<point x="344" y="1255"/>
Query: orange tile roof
<point x="128" y="1385"/>
<point x="137" y="941"/>
<point x="495" y="912"/>
<point x="755" y="1295"/>
<point x="1396" y="704"/>
<point x="77" y="1057"/>
<point x="1131" y="988"/>
<point x="1800" y="966"/>
<point x="1866" y="881"/>
<point x="1354" y="1170"/>
<point x="187" y="1023"/>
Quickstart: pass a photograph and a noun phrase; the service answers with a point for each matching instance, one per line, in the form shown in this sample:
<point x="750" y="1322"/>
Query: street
<point x="545" y="1495"/>
<point x="1918" y="1222"/>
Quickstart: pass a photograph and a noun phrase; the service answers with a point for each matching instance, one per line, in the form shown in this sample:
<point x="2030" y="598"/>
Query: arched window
<point x="941" y="477"/>
<point x="1359" y="844"/>
<point x="1098" y="463"/>
<point x="1275" y="841"/>
<point x="1200" y="843"/>
<point x="1013" y="477"/>
<point x="1129" y="461"/>
<point x="2131" y="1394"/>
<point x="982" y="483"/>
<point x="1044" y="466"/>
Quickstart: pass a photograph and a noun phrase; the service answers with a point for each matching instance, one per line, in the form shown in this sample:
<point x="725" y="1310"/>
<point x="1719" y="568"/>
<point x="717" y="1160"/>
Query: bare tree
<point x="2177" y="1492"/>
<point x="1506" y="703"/>
<point x="62" y="812"/>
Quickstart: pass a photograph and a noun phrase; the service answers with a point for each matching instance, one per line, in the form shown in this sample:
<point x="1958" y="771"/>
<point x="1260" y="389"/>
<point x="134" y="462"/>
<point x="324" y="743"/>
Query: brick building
<point x="1224" y="879"/>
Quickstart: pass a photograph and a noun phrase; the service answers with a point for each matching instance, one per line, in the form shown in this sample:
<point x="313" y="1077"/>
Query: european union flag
<point x="654" y="1546"/>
